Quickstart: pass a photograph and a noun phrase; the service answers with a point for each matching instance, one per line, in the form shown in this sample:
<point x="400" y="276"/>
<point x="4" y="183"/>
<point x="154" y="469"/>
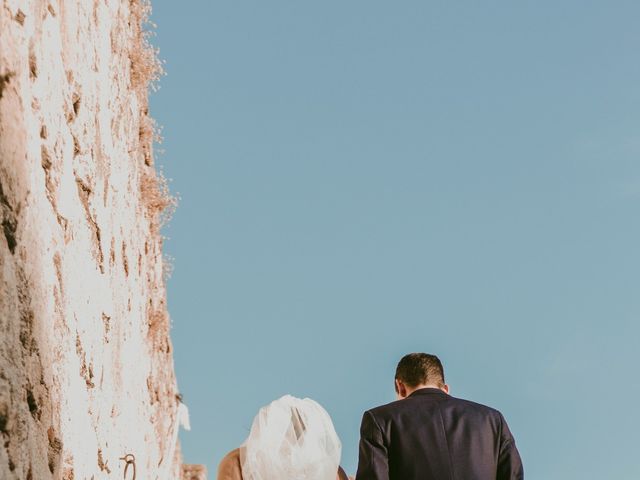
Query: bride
<point x="290" y="439"/>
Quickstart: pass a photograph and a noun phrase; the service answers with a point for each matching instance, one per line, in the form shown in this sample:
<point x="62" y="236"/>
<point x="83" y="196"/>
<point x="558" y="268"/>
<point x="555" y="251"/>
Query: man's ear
<point x="401" y="389"/>
<point x="445" y="389"/>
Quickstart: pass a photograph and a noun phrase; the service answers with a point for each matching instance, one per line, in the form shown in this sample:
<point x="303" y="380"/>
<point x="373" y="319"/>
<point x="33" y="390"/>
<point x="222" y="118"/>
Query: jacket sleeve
<point x="373" y="462"/>
<point x="509" y="462"/>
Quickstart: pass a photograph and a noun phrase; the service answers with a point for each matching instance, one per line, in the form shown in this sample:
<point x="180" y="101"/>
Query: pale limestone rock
<point x="86" y="366"/>
<point x="194" y="472"/>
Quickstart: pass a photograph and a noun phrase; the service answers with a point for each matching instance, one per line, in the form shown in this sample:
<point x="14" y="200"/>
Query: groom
<point x="430" y="435"/>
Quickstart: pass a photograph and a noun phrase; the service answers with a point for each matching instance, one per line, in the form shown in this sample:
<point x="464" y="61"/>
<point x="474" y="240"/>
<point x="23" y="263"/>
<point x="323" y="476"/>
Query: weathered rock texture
<point x="194" y="472"/>
<point x="86" y="366"/>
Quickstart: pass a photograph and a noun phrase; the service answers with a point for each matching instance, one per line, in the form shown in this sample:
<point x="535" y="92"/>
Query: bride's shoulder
<point x="229" y="467"/>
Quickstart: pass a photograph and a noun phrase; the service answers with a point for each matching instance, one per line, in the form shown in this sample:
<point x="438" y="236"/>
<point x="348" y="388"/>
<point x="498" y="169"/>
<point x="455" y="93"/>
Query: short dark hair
<point x="420" y="368"/>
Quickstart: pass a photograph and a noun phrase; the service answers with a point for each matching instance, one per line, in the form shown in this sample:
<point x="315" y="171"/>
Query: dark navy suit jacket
<point x="431" y="435"/>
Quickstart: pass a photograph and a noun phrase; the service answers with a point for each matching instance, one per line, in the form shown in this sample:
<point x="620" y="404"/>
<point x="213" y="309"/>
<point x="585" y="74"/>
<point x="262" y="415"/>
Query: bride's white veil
<point x="291" y="439"/>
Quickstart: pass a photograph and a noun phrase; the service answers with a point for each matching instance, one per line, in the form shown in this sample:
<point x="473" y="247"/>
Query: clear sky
<point x="362" y="179"/>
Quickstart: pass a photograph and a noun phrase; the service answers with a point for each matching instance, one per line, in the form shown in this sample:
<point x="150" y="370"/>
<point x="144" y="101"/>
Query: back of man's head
<point x="416" y="369"/>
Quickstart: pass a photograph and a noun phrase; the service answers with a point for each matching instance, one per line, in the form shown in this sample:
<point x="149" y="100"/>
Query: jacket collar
<point x="427" y="391"/>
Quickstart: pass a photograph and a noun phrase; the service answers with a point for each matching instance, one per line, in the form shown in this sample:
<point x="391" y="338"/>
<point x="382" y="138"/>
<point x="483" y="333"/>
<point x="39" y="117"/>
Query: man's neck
<point x="427" y="385"/>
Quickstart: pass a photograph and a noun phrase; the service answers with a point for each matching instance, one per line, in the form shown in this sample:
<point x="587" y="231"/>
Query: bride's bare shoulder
<point x="229" y="468"/>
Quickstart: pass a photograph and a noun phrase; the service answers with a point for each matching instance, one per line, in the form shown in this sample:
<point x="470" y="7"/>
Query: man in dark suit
<point x="429" y="435"/>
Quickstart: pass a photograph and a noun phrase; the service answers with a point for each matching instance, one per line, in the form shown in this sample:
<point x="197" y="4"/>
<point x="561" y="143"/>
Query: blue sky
<point x="363" y="179"/>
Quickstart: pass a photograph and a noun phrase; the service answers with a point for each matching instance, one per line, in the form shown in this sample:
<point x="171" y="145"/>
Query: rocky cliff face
<point x="86" y="366"/>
